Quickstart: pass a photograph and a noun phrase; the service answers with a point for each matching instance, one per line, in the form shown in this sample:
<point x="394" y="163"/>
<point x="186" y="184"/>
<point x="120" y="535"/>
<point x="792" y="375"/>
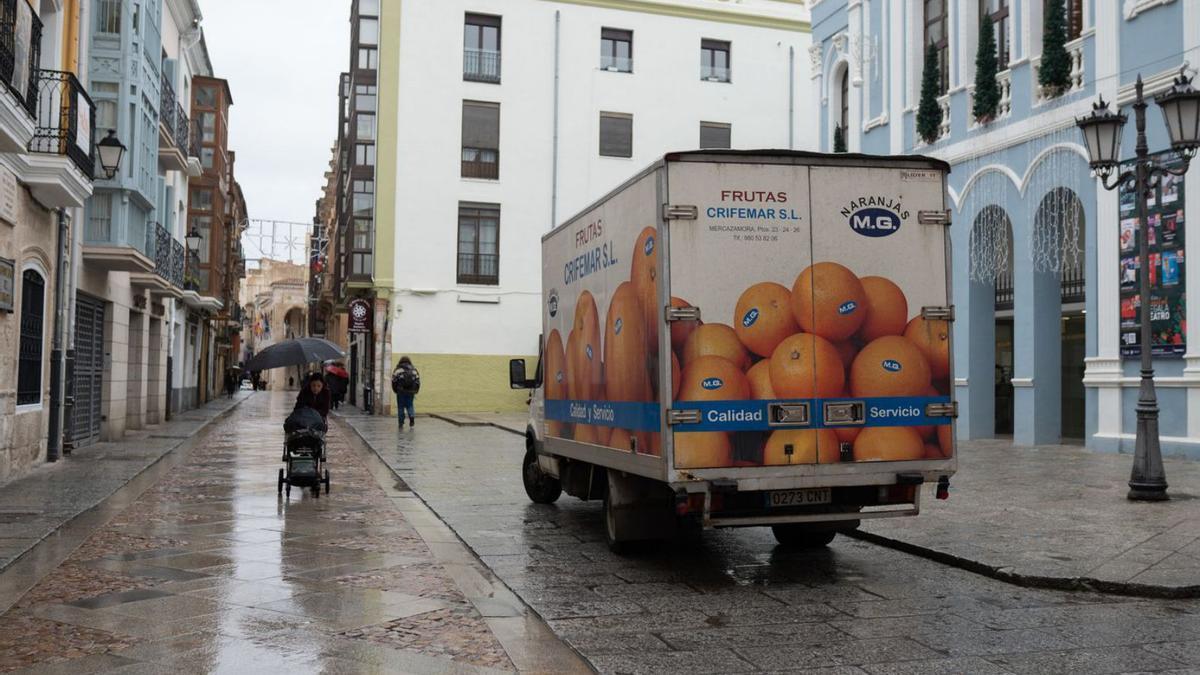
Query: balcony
<point x="117" y="245"/>
<point x="61" y="157"/>
<point x="172" y="156"/>
<point x="481" y="65"/>
<point x="1076" y="81"/>
<point x="1003" y="109"/>
<point x="480" y="163"/>
<point x="167" y="253"/>
<point x="479" y="268"/>
<point x="19" y="55"/>
<point x="195" y="139"/>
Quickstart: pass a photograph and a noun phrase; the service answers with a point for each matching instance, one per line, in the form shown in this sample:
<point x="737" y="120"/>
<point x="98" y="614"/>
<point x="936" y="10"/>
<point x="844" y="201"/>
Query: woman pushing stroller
<point x="315" y="395"/>
<point x="304" y="446"/>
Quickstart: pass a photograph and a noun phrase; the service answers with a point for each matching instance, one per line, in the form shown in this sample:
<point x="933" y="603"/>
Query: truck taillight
<point x="689" y="503"/>
<point x="897" y="494"/>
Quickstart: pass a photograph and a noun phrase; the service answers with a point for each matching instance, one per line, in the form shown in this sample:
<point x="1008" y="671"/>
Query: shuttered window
<point x="715" y="135"/>
<point x="616" y="135"/>
<point x="33" y="313"/>
<point x="478" y="243"/>
<point x="481" y="140"/>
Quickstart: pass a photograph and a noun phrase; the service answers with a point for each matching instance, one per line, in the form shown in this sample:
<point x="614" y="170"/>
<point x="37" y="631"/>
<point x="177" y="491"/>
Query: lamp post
<point x="111" y="150"/>
<point x="1102" y="134"/>
<point x="193" y="240"/>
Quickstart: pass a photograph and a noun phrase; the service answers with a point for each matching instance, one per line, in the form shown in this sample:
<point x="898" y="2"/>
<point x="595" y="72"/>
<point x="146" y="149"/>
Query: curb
<point x="458" y="423"/>
<point x="1084" y="584"/>
<point x="189" y="440"/>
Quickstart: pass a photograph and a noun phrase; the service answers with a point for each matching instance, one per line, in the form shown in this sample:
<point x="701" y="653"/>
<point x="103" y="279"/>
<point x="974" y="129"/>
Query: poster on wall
<point x="1168" y="300"/>
<point x="8" y="271"/>
<point x="22" y="37"/>
<point x="83" y="123"/>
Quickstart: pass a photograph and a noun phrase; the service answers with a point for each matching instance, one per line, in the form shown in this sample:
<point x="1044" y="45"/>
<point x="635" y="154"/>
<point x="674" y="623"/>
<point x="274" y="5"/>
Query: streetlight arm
<point x="1158" y="170"/>
<point x="1112" y="183"/>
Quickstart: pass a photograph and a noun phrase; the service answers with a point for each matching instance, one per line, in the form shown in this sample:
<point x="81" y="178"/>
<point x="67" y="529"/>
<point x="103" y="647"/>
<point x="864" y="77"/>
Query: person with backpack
<point x="406" y="382"/>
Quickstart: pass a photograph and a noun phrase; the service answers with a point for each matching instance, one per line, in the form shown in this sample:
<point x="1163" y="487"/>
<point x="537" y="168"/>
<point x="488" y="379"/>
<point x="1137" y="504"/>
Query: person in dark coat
<point x="406" y="382"/>
<point x="315" y="395"/>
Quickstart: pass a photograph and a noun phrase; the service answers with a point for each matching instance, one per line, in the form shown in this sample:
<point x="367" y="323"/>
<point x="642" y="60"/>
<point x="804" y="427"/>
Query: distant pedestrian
<point x="314" y="395"/>
<point x="231" y="382"/>
<point x="406" y="382"/>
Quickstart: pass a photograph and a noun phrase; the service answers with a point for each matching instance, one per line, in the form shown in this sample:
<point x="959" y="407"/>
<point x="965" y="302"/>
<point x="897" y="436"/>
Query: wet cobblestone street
<point x="210" y="571"/>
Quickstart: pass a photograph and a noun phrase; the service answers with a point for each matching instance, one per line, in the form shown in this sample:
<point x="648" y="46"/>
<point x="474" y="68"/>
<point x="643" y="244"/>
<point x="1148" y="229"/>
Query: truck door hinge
<point x="682" y="314"/>
<point x="680" y="212"/>
<point x="942" y="410"/>
<point x="677" y="416"/>
<point x="933" y="217"/>
<point x="938" y="313"/>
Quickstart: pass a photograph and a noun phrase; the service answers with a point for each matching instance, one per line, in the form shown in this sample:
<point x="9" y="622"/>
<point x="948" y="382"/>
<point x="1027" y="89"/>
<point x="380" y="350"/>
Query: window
<point x="206" y="157"/>
<point x="33" y="313"/>
<point x="478" y="243"/>
<point x="368" y="31"/>
<point x="715" y="135"/>
<point x="364" y="154"/>
<point x="364" y="97"/>
<point x="616" y="50"/>
<point x="364" y="126"/>
<point x="844" y="120"/>
<point x="936" y="35"/>
<point x="481" y="140"/>
<point x="370" y="7"/>
<point x="362" y="234"/>
<point x="106" y="115"/>
<point x="616" y="135"/>
<point x="481" y="48"/>
<point x="206" y="97"/>
<point x="996" y="11"/>
<point x="1074" y="15"/>
<point x="201" y="199"/>
<point x="364" y="204"/>
<point x="714" y="60"/>
<point x="108" y="17"/>
<point x="368" y="58"/>
<point x="208" y="125"/>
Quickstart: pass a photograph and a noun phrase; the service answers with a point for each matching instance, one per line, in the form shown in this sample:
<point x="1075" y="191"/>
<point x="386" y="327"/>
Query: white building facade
<point x="528" y="111"/>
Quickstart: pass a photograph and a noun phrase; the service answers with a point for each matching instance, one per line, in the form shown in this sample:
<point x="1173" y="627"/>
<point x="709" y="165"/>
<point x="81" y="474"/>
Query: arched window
<point x="844" y="87"/>
<point x="936" y="33"/>
<point x="33" y="315"/>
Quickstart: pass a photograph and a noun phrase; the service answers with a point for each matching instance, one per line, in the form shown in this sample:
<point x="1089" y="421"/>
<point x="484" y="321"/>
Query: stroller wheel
<point x="317" y="490"/>
<point x="280" y="491"/>
<point x="326" y="481"/>
<point x="287" y="489"/>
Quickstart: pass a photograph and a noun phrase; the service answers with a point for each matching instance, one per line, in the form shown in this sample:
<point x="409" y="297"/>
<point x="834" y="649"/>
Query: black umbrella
<point x="295" y="353"/>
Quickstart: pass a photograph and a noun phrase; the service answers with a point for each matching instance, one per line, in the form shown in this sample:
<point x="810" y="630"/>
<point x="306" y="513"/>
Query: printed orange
<point x="701" y="449"/>
<point x="763" y="317"/>
<point x="715" y="339"/>
<point x="644" y="276"/>
<point x="676" y="374"/>
<point x="712" y="378"/>
<point x="806" y="366"/>
<point x="848" y="350"/>
<point x="933" y="337"/>
<point x="933" y="451"/>
<point x="555" y="374"/>
<point x="887" y="309"/>
<point x="927" y="431"/>
<point x="585" y="376"/>
<point x="625" y="368"/>
<point x="889" y="366"/>
<point x="888" y="444"/>
<point x="620" y="439"/>
<point x="680" y="330"/>
<point x="808" y="446"/>
<point x="760" y="381"/>
<point x="586" y="433"/>
<point x="829" y="300"/>
<point x="945" y="436"/>
<point x="847" y="434"/>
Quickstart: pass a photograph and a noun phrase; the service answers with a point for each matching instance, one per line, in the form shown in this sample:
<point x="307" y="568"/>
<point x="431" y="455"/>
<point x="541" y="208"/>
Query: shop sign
<point x="360" y="315"/>
<point x="8" y="271"/>
<point x="1168" y="309"/>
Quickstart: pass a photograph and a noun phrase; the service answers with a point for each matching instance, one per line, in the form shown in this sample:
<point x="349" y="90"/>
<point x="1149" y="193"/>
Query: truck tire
<point x="797" y="535"/>
<point x="541" y="487"/>
<point x="612" y="535"/>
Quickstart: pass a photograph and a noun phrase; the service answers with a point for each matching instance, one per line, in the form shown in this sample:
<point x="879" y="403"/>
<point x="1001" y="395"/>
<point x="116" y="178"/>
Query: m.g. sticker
<point x="649" y="247"/>
<point x="847" y="307"/>
<point x="750" y="317"/>
<point x="616" y="327"/>
<point x="891" y="365"/>
<point x="588" y="349"/>
<point x="712" y="383"/>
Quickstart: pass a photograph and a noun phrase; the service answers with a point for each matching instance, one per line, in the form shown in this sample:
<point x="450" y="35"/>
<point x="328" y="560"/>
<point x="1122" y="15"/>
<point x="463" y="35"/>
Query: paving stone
<point x="754" y="636"/>
<point x="1108" y="660"/>
<point x="957" y="666"/>
<point x="990" y="641"/>
<point x="1183" y="652"/>
<point x="656" y="663"/>
<point x="840" y="653"/>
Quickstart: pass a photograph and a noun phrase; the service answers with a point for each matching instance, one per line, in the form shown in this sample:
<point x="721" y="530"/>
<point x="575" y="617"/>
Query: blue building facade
<point x="1043" y="280"/>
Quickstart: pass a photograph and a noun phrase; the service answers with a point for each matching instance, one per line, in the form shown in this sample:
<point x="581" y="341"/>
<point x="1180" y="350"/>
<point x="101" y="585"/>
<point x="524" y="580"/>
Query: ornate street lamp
<point x="111" y="150"/>
<point x="1102" y="135"/>
<point x="193" y="239"/>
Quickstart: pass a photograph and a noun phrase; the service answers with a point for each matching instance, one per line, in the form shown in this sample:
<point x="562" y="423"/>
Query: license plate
<point x="799" y="497"/>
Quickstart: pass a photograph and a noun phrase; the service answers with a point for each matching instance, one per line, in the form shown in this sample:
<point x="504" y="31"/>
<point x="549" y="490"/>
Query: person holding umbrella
<point x="338" y="380"/>
<point x="314" y="395"/>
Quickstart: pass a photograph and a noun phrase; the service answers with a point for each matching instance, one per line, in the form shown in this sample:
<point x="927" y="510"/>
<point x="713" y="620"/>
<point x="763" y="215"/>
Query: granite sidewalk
<point x="1049" y="516"/>
<point x="37" y="505"/>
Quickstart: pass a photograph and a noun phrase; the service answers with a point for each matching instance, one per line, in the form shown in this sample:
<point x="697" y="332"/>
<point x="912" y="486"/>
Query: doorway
<point x="89" y="372"/>
<point x="1005" y="400"/>
<point x="1074" y="349"/>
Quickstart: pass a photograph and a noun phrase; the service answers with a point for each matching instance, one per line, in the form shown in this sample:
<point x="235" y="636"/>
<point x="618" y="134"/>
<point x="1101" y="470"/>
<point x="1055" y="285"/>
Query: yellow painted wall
<point x="466" y="383"/>
<point x="386" y="146"/>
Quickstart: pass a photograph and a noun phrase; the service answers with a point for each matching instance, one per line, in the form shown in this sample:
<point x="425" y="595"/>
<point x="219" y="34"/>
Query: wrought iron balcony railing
<point x="183" y="128"/>
<point x="196" y="138"/>
<point x="66" y="120"/>
<point x="20" y="51"/>
<point x="481" y="65"/>
<point x="177" y="253"/>
<point x="166" y="106"/>
<point x="478" y="268"/>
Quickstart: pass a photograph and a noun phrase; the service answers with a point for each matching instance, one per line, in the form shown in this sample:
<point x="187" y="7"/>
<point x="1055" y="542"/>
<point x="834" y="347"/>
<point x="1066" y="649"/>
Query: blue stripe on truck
<point x="618" y="414"/>
<point x="751" y="415"/>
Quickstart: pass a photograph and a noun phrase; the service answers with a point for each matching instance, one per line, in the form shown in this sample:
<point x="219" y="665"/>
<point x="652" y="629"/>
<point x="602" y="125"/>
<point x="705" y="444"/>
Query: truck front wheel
<point x="796" y="535"/>
<point x="541" y="487"/>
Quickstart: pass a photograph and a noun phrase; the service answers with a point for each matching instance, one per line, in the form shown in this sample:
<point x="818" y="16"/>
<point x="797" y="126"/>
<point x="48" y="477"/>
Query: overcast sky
<point x="282" y="59"/>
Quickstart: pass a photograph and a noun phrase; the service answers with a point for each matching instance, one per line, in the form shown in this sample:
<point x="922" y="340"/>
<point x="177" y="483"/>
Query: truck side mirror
<point x="516" y="375"/>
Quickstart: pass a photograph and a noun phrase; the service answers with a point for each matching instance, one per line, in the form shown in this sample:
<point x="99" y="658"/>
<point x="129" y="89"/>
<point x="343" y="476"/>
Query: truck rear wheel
<point x="797" y="535"/>
<point x="541" y="487"/>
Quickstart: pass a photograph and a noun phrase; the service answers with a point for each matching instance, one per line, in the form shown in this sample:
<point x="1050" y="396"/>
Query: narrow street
<point x="210" y="571"/>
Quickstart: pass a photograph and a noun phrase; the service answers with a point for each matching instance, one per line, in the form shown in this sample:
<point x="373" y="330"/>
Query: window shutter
<point x="481" y="125"/>
<point x="616" y="135"/>
<point x="714" y="135"/>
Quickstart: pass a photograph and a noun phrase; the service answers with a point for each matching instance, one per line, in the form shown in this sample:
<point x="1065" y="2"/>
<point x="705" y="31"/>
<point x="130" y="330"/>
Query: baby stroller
<point x="304" y="452"/>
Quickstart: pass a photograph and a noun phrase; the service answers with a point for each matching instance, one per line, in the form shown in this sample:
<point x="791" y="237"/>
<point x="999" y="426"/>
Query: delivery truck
<point x="748" y="338"/>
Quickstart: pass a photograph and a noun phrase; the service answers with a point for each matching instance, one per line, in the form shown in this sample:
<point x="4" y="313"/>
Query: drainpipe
<point x="57" y="363"/>
<point x="554" y="160"/>
<point x="791" y="98"/>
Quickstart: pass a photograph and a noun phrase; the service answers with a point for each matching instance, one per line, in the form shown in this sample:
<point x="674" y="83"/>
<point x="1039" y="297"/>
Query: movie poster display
<point x="1168" y="300"/>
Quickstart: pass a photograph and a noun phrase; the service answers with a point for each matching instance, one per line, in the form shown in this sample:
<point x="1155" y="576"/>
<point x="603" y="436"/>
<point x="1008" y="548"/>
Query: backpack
<point x="407" y="381"/>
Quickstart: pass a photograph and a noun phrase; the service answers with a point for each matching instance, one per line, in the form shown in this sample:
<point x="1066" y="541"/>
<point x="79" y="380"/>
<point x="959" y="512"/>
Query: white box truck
<point x="748" y="338"/>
